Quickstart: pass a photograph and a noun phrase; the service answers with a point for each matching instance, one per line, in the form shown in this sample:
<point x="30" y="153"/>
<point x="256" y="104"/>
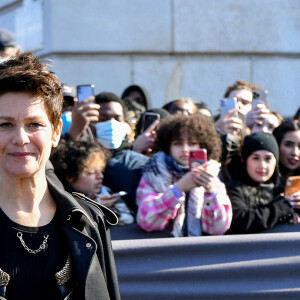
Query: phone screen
<point x="84" y="91"/>
<point x="148" y="119"/>
<point x="197" y="158"/>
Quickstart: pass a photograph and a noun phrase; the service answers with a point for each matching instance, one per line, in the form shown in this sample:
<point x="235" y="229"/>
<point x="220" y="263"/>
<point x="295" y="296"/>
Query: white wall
<point x="173" y="48"/>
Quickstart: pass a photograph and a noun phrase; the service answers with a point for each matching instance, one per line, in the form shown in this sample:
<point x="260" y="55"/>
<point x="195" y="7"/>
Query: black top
<point x="32" y="276"/>
<point x="256" y="206"/>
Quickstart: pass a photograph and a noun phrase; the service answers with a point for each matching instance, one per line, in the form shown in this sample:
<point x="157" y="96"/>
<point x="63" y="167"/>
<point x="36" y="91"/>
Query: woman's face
<point x="89" y="182"/>
<point x="180" y="148"/>
<point x="26" y="135"/>
<point x="261" y="165"/>
<point x="267" y="125"/>
<point x="244" y="100"/>
<point x="289" y="150"/>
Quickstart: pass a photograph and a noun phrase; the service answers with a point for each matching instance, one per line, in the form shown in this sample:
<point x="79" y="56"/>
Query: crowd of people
<point x="251" y="152"/>
<point x="101" y="152"/>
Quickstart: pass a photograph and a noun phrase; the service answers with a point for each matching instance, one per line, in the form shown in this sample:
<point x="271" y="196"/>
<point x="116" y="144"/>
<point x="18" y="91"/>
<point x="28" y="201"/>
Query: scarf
<point x="161" y="171"/>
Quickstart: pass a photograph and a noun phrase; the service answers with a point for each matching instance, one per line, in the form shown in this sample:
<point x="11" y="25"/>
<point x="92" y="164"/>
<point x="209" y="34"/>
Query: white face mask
<point x="111" y="133"/>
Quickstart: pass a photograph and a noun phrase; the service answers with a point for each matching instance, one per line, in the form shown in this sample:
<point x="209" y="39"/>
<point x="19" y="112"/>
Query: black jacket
<point x="85" y="224"/>
<point x="256" y="206"/>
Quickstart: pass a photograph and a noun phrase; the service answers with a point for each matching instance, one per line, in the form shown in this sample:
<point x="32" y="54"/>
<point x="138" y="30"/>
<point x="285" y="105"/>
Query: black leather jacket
<point x="85" y="224"/>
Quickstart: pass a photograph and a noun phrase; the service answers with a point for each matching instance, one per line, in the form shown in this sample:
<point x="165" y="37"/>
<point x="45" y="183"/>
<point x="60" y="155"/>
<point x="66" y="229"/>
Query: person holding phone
<point x="267" y="123"/>
<point x="287" y="135"/>
<point x="173" y="198"/>
<point x="247" y="115"/>
<point x="79" y="165"/>
<point x="83" y="112"/>
<point x="145" y="130"/>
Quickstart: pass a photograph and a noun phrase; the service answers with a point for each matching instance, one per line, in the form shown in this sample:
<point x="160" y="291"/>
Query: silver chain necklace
<point x="42" y="246"/>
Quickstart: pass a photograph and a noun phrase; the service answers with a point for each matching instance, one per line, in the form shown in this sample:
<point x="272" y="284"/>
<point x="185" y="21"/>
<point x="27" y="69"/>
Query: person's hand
<point x="294" y="200"/>
<point x="295" y="219"/>
<point x="144" y="142"/>
<point x="202" y="177"/>
<point x="108" y="200"/>
<point x="230" y="123"/>
<point x="257" y="114"/>
<point x="196" y="178"/>
<point x="83" y="114"/>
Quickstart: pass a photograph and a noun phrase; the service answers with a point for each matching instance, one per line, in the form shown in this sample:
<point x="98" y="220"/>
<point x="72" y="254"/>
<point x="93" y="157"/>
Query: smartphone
<point x="197" y="157"/>
<point x="227" y="104"/>
<point x="260" y="96"/>
<point x="119" y="194"/>
<point x="257" y="101"/>
<point x="292" y="185"/>
<point x="84" y="91"/>
<point x="148" y="119"/>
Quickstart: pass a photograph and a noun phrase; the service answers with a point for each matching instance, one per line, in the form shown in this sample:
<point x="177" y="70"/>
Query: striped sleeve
<point x="217" y="211"/>
<point x="155" y="210"/>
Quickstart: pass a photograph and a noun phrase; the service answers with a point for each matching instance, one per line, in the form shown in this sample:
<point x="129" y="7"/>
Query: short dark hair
<point x="198" y="126"/>
<point x="25" y="73"/>
<point x="106" y="97"/>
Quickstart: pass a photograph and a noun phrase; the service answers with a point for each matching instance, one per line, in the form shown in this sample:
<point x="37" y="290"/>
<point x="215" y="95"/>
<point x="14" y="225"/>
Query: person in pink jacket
<point x="172" y="197"/>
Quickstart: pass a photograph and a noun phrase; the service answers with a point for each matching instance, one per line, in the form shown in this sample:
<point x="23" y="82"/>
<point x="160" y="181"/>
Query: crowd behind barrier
<point x="120" y="153"/>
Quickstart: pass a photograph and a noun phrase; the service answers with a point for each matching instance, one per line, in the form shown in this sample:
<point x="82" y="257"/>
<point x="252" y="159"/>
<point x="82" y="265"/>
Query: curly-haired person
<point x="79" y="165"/>
<point x="170" y="196"/>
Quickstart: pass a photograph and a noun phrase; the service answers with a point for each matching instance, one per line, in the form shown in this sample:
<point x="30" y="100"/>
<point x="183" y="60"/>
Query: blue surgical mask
<point x="67" y="121"/>
<point x="111" y="133"/>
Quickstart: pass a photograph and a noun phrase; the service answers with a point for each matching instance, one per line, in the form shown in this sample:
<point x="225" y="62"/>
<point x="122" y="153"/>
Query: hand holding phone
<point x="292" y="185"/>
<point x="148" y="118"/>
<point x="227" y="104"/>
<point x="119" y="194"/>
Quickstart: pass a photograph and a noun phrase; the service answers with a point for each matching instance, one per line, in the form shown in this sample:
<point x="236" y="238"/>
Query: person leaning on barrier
<point x="57" y="246"/>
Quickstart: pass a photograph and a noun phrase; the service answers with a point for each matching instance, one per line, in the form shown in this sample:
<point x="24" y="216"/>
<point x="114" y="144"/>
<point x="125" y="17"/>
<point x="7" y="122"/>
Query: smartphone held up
<point x="197" y="157"/>
<point x="227" y="104"/>
<point x="260" y="97"/>
<point x="148" y="119"/>
<point x="85" y="91"/>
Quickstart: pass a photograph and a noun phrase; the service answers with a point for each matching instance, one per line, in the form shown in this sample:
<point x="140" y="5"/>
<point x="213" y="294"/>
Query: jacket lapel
<point x="85" y="262"/>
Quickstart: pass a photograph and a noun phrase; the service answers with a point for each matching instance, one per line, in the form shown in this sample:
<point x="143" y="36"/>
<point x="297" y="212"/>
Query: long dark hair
<point x="286" y="126"/>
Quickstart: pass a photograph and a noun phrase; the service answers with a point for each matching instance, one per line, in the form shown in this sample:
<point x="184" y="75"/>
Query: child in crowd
<point x="267" y="123"/>
<point x="256" y="201"/>
<point x="79" y="166"/>
<point x="192" y="202"/>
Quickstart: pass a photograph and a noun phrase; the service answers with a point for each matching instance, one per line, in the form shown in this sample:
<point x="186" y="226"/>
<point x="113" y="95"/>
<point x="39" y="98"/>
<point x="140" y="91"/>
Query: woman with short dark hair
<point x="55" y="246"/>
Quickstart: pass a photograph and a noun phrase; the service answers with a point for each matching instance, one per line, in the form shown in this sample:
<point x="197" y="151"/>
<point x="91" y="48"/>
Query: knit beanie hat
<point x="259" y="141"/>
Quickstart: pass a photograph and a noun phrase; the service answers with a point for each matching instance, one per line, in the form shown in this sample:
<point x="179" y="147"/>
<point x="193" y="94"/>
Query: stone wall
<point x="173" y="48"/>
